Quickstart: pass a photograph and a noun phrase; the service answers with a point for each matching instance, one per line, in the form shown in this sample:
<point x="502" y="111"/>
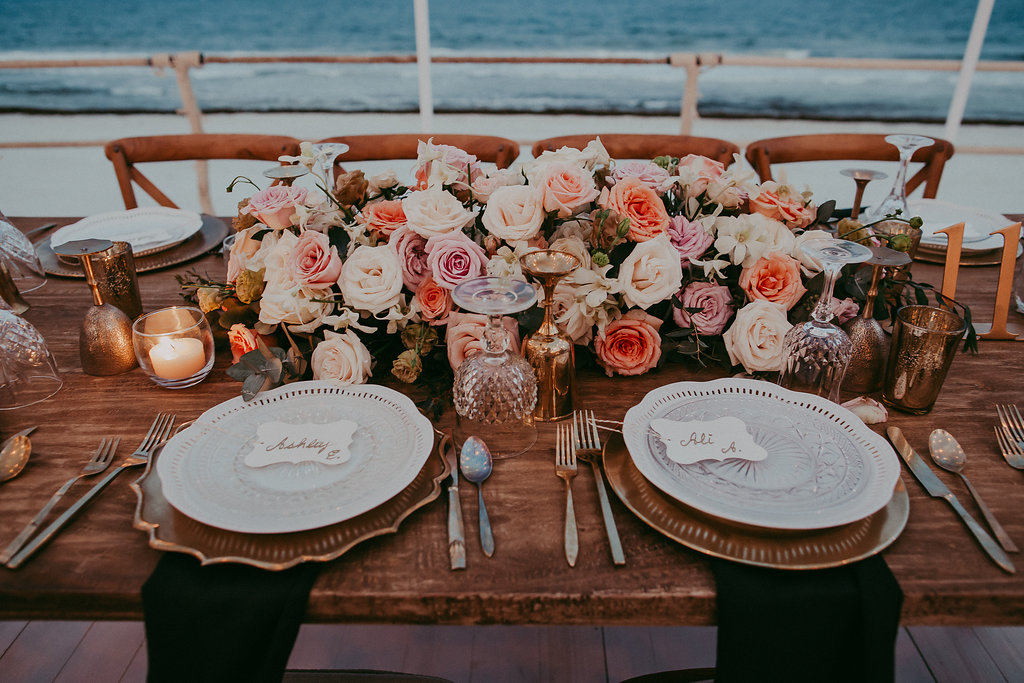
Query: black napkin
<point x="836" y="624"/>
<point x="225" y="622"/>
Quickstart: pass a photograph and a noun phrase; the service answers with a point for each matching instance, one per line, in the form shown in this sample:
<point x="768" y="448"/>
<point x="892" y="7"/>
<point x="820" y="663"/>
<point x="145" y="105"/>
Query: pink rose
<point x="313" y="261"/>
<point x="690" y="239"/>
<point x="630" y="345"/>
<point x="465" y="333"/>
<point x="435" y="302"/>
<point x="565" y="188"/>
<point x="631" y="199"/>
<point x="844" y="309"/>
<point x="648" y="173"/>
<point x="696" y="173"/>
<point x="775" y="278"/>
<point x="412" y="254"/>
<point x="275" y="206"/>
<point x="453" y="257"/>
<point x="715" y="303"/>
<point x="384" y="216"/>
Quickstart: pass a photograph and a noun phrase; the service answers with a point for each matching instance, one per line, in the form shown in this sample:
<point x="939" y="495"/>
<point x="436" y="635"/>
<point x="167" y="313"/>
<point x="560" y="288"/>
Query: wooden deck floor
<point x="74" y="651"/>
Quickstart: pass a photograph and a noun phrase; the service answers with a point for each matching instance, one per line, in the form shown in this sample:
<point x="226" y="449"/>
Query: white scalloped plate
<point x="148" y="230"/>
<point x="824" y="467"/>
<point x="203" y="474"/>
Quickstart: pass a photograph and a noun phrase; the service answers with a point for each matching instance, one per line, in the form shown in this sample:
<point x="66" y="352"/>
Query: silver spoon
<point x="13" y="457"/>
<point x="949" y="455"/>
<point x="475" y="463"/>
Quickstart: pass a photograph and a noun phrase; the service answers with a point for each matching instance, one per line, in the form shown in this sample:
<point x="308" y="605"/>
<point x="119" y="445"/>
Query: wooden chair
<point x="499" y="151"/>
<point x="125" y="153"/>
<point x="762" y="154"/>
<point x="644" y="146"/>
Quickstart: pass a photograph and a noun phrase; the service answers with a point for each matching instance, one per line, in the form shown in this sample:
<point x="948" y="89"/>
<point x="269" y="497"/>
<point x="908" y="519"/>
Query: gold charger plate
<point x="210" y="236"/>
<point x="172" y="530"/>
<point x="749" y="545"/>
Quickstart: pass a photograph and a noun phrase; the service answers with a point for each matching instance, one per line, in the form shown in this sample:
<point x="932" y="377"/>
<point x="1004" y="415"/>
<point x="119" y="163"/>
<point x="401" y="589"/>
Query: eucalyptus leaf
<point x="253" y="385"/>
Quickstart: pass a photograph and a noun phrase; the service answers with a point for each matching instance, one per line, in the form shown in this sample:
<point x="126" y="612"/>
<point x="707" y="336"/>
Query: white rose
<point x="755" y="338"/>
<point x="341" y="358"/>
<point x="435" y="212"/>
<point x="514" y="213"/>
<point x="382" y="181"/>
<point x="808" y="264"/>
<point x="275" y="254"/>
<point x="651" y="273"/>
<point x="371" y="278"/>
<point x="293" y="306"/>
<point x="485" y="185"/>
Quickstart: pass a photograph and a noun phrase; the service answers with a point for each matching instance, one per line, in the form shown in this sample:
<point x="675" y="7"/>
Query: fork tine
<point x="1013" y="429"/>
<point x="595" y="438"/>
<point x="161" y="426"/>
<point x="111" y="448"/>
<point x="1016" y="421"/>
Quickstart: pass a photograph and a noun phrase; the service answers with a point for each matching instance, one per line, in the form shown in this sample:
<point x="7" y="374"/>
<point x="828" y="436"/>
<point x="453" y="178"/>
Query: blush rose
<point x="755" y="338"/>
<point x="275" y="206"/>
<point x="453" y="258"/>
<point x="715" y="302"/>
<point x="313" y="261"/>
<point x="342" y="359"/>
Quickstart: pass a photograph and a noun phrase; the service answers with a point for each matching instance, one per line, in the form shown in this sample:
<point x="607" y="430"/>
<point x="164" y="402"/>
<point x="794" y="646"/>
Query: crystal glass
<point x="19" y="256"/>
<point x="28" y="372"/>
<point x="495" y="391"/>
<point x="174" y="346"/>
<point x="897" y="198"/>
<point x="861" y="177"/>
<point x="327" y="153"/>
<point x="816" y="353"/>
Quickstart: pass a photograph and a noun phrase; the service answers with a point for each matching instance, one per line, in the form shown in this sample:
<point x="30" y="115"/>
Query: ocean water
<point x="827" y="28"/>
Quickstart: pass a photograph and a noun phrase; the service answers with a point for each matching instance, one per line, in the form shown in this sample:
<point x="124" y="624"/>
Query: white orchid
<point x="743" y="238"/>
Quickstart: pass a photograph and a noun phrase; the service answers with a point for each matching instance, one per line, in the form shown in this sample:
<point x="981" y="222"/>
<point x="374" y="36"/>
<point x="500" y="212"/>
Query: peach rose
<point x="632" y="199"/>
<point x="242" y="341"/>
<point x="384" y="216"/>
<point x="465" y="333"/>
<point x="566" y="188"/>
<point x="435" y="302"/>
<point x="342" y="359"/>
<point x="630" y="345"/>
<point x="275" y="206"/>
<point x="775" y="278"/>
<point x="782" y="206"/>
<point x="696" y="173"/>
<point x="313" y="261"/>
<point x="514" y="213"/>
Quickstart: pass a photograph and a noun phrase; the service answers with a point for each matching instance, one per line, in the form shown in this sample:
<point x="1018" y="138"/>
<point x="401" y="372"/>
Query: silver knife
<point x="23" y="432"/>
<point x="456" y="529"/>
<point x="934" y="486"/>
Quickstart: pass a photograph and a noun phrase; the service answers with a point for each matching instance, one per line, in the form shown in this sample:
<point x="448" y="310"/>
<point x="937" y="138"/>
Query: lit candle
<point x="178" y="358"/>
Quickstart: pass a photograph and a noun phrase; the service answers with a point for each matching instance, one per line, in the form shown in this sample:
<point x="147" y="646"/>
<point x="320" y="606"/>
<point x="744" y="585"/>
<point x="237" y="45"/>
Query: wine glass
<point x="327" y="153"/>
<point x="495" y="391"/>
<point x="817" y="352"/>
<point x="28" y="372"/>
<point x="897" y="198"/>
<point x="20" y="258"/>
<point x="861" y="177"/>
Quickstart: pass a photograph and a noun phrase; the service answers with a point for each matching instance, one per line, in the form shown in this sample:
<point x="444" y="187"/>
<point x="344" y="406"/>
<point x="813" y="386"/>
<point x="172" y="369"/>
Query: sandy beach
<point x="75" y="181"/>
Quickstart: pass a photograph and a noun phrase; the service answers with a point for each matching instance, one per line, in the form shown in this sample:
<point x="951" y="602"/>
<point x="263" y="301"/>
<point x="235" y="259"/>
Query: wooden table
<point x="95" y="568"/>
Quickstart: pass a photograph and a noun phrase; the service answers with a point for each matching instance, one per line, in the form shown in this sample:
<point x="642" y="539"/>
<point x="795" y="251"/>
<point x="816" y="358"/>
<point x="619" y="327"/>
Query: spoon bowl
<point x="14" y="456"/>
<point x="476" y="464"/>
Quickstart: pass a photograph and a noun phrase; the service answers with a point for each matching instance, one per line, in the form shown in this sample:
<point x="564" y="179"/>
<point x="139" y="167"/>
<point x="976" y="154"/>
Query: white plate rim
<point x="397" y="481"/>
<point x="977" y="239"/>
<point x="885" y="472"/>
<point x="187" y="224"/>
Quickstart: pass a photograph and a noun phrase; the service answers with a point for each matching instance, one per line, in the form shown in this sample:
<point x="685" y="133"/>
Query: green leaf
<point x="253" y="385"/>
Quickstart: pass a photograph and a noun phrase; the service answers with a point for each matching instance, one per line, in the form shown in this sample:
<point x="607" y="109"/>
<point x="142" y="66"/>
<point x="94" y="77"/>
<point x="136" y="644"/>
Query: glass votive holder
<point x="174" y="346"/>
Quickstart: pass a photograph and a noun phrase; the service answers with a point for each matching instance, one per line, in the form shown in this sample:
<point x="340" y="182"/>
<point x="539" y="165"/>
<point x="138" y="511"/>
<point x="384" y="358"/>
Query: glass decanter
<point x="817" y="352"/>
<point x="495" y="390"/>
<point x="897" y="198"/>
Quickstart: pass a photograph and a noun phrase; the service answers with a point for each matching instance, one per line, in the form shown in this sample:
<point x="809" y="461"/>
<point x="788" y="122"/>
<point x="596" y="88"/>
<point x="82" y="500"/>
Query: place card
<point x="279" y="442"/>
<point x="718" y="439"/>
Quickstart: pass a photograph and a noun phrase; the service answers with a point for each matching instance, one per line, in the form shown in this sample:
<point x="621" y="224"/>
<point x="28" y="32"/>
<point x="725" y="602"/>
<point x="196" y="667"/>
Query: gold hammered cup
<point x="924" y="342"/>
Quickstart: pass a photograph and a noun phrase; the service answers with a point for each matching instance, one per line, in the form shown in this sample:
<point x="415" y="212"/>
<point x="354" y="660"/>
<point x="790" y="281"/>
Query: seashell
<point x="867" y="409"/>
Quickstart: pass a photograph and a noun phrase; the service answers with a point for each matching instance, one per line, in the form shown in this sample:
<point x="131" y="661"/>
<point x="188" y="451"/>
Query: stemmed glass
<point x="816" y="353"/>
<point x="19" y="257"/>
<point x="28" y="372"/>
<point x="897" y="198"/>
<point x="861" y="177"/>
<point x="328" y="152"/>
<point x="495" y="391"/>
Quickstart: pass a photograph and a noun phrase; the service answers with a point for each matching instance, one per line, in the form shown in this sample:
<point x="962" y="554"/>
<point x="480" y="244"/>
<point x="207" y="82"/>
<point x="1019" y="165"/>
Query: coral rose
<point x="435" y="302"/>
<point x="384" y="216"/>
<point x="275" y="206"/>
<point x="643" y="207"/>
<point x="242" y="340"/>
<point x="715" y="302"/>
<point x="755" y="339"/>
<point x="465" y="332"/>
<point x="342" y="359"/>
<point x="781" y="205"/>
<point x="630" y="345"/>
<point x="775" y="278"/>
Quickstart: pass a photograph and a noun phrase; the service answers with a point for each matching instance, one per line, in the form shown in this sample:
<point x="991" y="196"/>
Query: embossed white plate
<point x="824" y="467"/>
<point x="204" y="476"/>
<point x="148" y="230"/>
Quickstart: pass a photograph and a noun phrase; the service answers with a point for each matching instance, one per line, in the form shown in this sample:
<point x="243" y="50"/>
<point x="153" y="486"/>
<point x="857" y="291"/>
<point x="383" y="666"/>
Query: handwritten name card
<point x="324" y="443"/>
<point x="719" y="439"/>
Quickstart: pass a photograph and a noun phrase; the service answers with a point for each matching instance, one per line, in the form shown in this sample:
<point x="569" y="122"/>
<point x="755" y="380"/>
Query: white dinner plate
<point x="978" y="223"/>
<point x="824" y="467"/>
<point x="204" y="475"/>
<point x="148" y="230"/>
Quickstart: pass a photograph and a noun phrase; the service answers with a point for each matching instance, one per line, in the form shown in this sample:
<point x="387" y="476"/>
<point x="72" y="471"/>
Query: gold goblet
<point x="549" y="351"/>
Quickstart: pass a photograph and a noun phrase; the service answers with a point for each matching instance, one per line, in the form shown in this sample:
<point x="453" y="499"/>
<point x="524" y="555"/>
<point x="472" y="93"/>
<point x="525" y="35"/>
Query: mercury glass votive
<point x="174" y="346"/>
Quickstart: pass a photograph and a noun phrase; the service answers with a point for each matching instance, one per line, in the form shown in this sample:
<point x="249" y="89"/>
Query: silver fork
<point x="158" y="432"/>
<point x="1011" y="450"/>
<point x="100" y="460"/>
<point x="587" y="444"/>
<point x="1012" y="422"/>
<point x="565" y="468"/>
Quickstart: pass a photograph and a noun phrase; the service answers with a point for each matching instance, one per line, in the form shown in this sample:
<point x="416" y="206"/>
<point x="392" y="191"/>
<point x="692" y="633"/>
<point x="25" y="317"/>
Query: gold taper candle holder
<point x="548" y="350"/>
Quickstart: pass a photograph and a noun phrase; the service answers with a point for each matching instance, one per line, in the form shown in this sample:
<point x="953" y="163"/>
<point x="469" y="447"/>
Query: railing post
<point x="182" y="63"/>
<point x="422" y="19"/>
<point x="691" y="90"/>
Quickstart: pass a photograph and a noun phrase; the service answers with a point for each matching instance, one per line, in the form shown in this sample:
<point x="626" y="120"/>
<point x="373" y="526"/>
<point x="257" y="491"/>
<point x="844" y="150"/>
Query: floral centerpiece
<point x="681" y="259"/>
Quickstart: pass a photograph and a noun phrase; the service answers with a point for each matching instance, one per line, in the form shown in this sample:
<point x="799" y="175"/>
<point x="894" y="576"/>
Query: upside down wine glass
<point x="495" y="391"/>
<point x="817" y="352"/>
<point x="897" y="198"/>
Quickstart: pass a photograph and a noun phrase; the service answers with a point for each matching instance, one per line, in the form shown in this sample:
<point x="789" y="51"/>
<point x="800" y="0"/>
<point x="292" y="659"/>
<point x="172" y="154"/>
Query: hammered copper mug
<point x="925" y="340"/>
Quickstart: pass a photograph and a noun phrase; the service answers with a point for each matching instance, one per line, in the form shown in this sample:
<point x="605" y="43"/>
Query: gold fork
<point x="565" y="468"/>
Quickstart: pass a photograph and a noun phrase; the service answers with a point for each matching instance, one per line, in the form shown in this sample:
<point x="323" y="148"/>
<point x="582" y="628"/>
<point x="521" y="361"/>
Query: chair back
<point x="488" y="148"/>
<point x="763" y="154"/>
<point x="125" y="153"/>
<point x="644" y="146"/>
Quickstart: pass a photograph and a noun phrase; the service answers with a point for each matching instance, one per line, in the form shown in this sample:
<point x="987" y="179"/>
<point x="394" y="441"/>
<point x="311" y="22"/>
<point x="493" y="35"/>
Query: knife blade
<point x="456" y="528"/>
<point x="937" y="489"/>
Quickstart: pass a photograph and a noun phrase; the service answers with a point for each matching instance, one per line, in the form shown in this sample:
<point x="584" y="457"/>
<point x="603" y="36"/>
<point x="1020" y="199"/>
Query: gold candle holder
<point x="548" y="350"/>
